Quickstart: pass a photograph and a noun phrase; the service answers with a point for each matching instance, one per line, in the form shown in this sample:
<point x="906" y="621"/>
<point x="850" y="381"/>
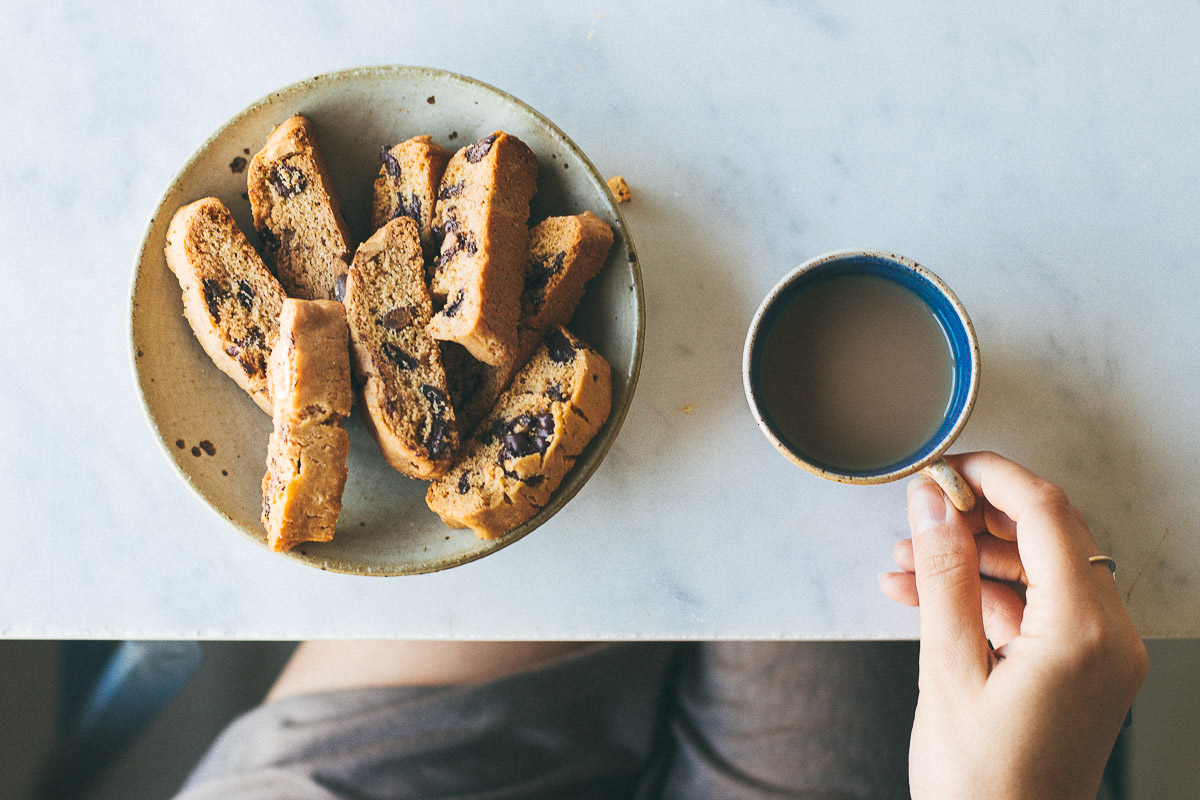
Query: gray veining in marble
<point x="1041" y="159"/>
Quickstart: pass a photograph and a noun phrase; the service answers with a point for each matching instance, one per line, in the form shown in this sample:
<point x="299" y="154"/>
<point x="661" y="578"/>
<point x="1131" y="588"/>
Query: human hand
<point x="1038" y="716"/>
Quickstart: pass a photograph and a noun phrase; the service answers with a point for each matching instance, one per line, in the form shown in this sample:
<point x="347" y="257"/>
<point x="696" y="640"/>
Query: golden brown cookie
<point x="520" y="453"/>
<point x="407" y="186"/>
<point x="306" y="454"/>
<point x="297" y="214"/>
<point x="404" y="400"/>
<point x="230" y="298"/>
<point x="482" y="213"/>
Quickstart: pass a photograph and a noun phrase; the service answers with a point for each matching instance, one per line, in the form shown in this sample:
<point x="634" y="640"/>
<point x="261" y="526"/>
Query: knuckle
<point x="1101" y="649"/>
<point x="1096" y="641"/>
<point x="948" y="568"/>
<point x="1106" y="652"/>
<point x="1050" y="497"/>
<point x="1092" y="646"/>
<point x="1086" y="667"/>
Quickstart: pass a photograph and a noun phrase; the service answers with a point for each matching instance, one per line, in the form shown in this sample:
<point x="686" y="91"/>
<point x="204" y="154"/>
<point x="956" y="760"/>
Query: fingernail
<point x="926" y="505"/>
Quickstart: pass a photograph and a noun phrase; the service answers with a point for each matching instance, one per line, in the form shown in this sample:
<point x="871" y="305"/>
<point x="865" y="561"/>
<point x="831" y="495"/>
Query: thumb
<point x="947" y="565"/>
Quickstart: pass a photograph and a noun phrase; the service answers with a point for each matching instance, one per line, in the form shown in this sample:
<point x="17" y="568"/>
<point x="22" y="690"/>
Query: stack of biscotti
<point x="310" y="394"/>
<point x="564" y="254"/>
<point x="237" y="306"/>
<point x="482" y="217"/>
<point x="441" y="309"/>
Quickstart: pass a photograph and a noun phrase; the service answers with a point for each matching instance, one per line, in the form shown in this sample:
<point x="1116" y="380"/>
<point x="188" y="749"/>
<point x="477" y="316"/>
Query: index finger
<point x="1048" y="535"/>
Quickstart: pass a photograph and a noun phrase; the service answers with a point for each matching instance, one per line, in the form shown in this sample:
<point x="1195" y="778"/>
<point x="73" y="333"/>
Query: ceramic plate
<point x="215" y="435"/>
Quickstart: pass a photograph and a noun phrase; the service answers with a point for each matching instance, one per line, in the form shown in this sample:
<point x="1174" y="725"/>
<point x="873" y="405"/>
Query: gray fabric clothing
<point x="819" y="720"/>
<point x="646" y="720"/>
<point x="579" y="727"/>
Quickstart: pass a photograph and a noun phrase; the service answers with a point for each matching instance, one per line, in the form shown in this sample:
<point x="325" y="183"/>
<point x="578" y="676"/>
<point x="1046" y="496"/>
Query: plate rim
<point x="617" y="414"/>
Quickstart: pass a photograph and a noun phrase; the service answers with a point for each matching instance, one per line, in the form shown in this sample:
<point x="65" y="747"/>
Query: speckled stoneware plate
<point x="215" y="435"/>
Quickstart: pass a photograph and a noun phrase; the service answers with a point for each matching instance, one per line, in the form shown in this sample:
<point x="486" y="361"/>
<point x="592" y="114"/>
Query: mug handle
<point x="951" y="483"/>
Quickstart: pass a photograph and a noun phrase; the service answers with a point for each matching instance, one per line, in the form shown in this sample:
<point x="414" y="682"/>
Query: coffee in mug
<point x="862" y="367"/>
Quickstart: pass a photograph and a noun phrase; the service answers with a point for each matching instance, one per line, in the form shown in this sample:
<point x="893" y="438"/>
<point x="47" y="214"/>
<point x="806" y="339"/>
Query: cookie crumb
<point x="688" y="409"/>
<point x="620" y="189"/>
<point x="208" y="447"/>
<point x="431" y="99"/>
<point x="180" y="444"/>
<point x="196" y="452"/>
<point x="238" y="165"/>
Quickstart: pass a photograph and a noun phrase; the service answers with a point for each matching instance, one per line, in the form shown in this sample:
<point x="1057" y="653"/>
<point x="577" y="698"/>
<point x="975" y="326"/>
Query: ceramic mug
<point x="964" y="358"/>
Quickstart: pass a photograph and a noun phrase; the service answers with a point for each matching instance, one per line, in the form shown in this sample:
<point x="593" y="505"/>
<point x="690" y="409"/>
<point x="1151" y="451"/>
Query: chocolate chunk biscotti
<point x="404" y="400"/>
<point x="408" y="184"/>
<point x="297" y="215"/>
<point x="520" y="453"/>
<point x="564" y="254"/>
<point x="482" y="213"/>
<point x="306" y="454"/>
<point x="230" y="298"/>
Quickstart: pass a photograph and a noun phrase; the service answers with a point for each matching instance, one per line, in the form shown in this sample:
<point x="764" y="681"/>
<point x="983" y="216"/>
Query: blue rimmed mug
<point x="964" y="350"/>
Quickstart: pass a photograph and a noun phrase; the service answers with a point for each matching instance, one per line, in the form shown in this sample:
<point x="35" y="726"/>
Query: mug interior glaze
<point x="951" y="316"/>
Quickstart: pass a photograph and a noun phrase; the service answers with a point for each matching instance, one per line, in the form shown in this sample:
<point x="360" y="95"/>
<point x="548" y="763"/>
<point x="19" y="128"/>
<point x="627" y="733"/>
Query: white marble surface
<point x="1042" y="160"/>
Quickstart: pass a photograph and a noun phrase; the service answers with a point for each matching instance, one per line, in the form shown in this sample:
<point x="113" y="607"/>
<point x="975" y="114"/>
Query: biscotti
<point x="408" y="185"/>
<point x="230" y="298"/>
<point x="306" y="455"/>
<point x="482" y="213"/>
<point x="404" y="400"/>
<point x="564" y="254"/>
<point x="297" y="215"/>
<point x="520" y="453"/>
